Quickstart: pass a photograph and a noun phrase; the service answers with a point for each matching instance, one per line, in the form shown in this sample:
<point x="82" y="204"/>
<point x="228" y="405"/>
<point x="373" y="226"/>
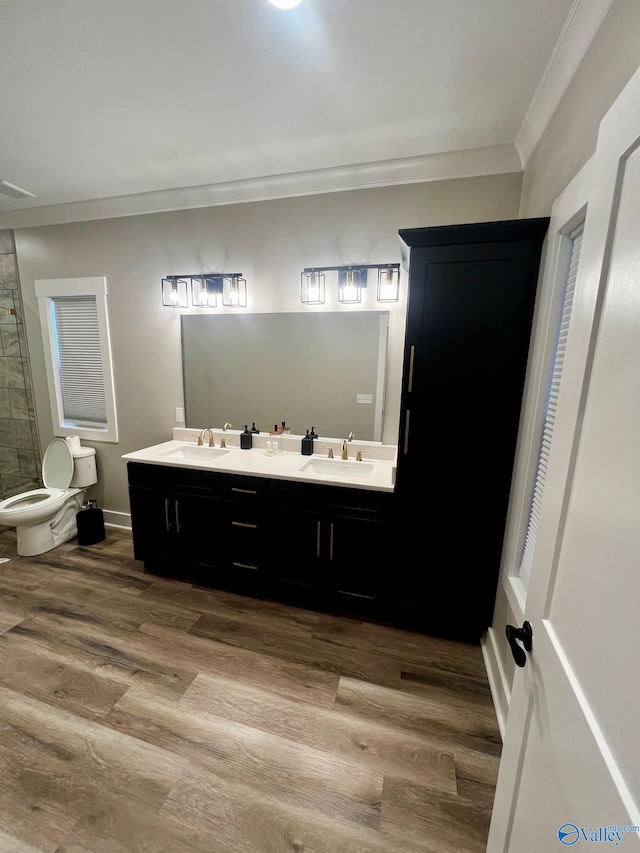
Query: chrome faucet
<point x="202" y="435"/>
<point x="343" y="446"/>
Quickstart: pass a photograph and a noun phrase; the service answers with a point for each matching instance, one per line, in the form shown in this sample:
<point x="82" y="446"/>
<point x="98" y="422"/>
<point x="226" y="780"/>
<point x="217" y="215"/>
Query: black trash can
<point x="90" y="525"/>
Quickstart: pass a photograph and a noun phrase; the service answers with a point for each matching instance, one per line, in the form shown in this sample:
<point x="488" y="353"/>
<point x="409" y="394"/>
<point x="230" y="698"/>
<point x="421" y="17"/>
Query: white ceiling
<point x="132" y="101"/>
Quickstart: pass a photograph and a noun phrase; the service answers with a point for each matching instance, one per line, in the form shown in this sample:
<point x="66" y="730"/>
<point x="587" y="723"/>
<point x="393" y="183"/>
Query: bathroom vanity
<point x="308" y="530"/>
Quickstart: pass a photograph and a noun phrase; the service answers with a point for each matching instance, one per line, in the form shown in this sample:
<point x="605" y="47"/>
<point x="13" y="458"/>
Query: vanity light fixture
<point x="205" y="288"/>
<point x="312" y="287"/>
<point x="234" y="291"/>
<point x="389" y="283"/>
<point x="351" y="281"/>
<point x="175" y="291"/>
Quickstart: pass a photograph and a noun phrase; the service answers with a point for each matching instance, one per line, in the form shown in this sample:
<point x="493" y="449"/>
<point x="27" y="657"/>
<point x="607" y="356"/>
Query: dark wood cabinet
<point x="332" y="544"/>
<point x="313" y="544"/>
<point x="334" y="556"/>
<point x="176" y="520"/>
<point x="359" y="570"/>
<point x="175" y="528"/>
<point x="471" y="298"/>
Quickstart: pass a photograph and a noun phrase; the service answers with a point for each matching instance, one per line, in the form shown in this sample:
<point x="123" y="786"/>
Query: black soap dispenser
<point x="246" y="439"/>
<point x="307" y="444"/>
<point x="254" y="428"/>
<point x="313" y="433"/>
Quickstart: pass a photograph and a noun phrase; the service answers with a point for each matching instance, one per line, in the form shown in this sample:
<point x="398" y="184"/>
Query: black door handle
<point x="525" y="635"/>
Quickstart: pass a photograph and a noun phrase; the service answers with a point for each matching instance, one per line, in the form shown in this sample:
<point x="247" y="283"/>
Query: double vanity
<point x="308" y="529"/>
<point x="421" y="550"/>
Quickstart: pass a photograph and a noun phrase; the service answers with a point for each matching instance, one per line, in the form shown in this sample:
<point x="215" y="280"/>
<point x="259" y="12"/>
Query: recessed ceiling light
<point x="15" y="192"/>
<point x="285" y="4"/>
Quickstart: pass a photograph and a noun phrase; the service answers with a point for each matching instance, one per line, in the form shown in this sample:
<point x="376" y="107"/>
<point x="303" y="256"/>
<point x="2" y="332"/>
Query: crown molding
<point x="473" y="162"/>
<point x="583" y="22"/>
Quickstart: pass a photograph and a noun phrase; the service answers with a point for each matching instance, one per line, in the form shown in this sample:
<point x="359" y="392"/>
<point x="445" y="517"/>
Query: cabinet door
<point x="334" y="556"/>
<point x="173" y="530"/>
<point x="468" y="334"/>
<point x="472" y="292"/>
<point x="296" y="550"/>
<point x="152" y="522"/>
<point x="199" y="529"/>
<point x="356" y="557"/>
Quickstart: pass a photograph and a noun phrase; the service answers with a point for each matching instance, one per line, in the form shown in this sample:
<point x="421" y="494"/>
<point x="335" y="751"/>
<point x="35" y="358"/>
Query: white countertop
<point x="375" y="472"/>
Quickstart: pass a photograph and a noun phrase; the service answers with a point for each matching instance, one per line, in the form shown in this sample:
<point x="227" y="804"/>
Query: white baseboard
<point x="117" y="519"/>
<point x="500" y="686"/>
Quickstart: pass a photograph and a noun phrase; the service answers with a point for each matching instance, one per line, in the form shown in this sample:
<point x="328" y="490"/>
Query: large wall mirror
<point x="318" y="369"/>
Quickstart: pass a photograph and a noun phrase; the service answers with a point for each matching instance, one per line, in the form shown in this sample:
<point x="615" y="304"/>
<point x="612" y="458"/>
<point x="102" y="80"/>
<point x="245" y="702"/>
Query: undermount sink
<point x="193" y="453"/>
<point x="339" y="468"/>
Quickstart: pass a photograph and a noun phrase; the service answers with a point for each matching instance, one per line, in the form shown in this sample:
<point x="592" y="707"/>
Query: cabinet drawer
<point x="244" y="516"/>
<point x="245" y="489"/>
<point x="245" y="530"/>
<point x="339" y="501"/>
<point x="193" y="480"/>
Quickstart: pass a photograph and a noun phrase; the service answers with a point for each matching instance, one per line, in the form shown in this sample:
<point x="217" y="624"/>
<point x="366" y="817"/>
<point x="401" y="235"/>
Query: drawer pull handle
<point x="167" y="526"/>
<point x="178" y="528"/>
<point x="331" y="541"/>
<point x="318" y="540"/>
<point x="244" y="491"/>
<point x="244" y="524"/>
<point x="412" y="355"/>
<point x="245" y="566"/>
<point x="406" y="432"/>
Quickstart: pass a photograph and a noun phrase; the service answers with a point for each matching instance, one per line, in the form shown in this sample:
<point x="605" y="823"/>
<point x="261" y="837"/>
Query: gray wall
<point x="570" y="138"/>
<point x="270" y="242"/>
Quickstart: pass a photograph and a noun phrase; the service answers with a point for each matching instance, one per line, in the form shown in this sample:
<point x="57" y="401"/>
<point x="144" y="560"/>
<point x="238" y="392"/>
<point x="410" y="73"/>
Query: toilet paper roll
<point x="73" y="441"/>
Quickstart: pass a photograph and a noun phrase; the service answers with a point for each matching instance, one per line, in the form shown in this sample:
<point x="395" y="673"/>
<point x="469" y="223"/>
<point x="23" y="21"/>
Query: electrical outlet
<point x="364" y="398"/>
<point x="179" y="415"/>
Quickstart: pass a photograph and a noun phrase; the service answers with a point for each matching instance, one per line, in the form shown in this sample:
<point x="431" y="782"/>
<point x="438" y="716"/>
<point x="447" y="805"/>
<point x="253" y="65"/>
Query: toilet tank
<point x="84" y="468"/>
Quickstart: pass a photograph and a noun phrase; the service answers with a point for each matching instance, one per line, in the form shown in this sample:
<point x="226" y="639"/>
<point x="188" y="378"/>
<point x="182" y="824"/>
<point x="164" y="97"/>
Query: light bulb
<point x="349" y="293"/>
<point x="388" y="284"/>
<point x="387" y="291"/>
<point x="284" y="4"/>
<point x="314" y="288"/>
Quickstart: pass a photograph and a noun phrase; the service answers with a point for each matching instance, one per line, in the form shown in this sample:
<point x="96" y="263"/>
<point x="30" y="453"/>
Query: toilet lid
<point x="57" y="465"/>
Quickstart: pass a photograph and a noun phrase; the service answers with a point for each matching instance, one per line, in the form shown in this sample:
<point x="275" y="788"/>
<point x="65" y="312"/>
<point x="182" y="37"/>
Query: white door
<point x="570" y="770"/>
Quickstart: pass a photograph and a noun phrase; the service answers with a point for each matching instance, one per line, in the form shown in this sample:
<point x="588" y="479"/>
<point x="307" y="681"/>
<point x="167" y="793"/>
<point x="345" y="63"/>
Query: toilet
<point x="45" y="518"/>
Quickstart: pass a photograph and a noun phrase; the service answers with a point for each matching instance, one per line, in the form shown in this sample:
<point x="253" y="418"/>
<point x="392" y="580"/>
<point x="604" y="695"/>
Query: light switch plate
<point x="179" y="415"/>
<point x="364" y="398"/>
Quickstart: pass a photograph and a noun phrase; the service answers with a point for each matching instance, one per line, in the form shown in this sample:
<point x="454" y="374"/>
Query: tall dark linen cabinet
<point x="471" y="298"/>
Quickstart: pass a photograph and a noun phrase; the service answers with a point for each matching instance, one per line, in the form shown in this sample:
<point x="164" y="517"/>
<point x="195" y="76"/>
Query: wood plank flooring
<point x="144" y="714"/>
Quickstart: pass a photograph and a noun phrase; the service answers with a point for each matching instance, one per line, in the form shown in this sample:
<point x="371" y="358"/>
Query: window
<point x="551" y="406"/>
<point x="77" y="350"/>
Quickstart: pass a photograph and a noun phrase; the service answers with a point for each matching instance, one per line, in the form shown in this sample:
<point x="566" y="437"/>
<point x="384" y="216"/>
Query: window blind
<point x="79" y="360"/>
<point x="551" y="407"/>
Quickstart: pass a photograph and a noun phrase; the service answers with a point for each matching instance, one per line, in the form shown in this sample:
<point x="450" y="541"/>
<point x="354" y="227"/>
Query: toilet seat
<point x="36" y="497"/>
<point x="57" y="471"/>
